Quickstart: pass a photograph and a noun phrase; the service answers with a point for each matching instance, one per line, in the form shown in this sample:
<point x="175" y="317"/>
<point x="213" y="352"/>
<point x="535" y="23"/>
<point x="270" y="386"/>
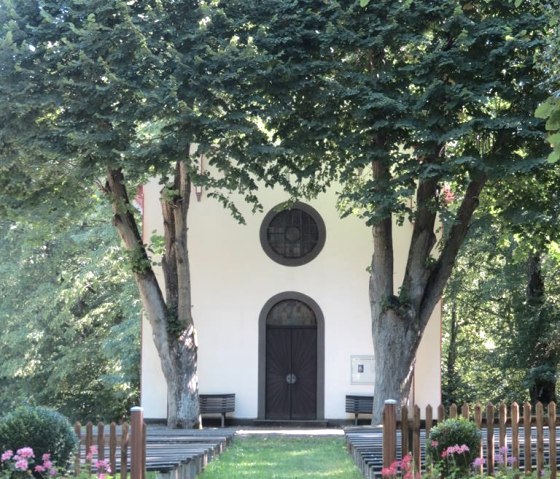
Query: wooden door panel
<point x="291" y="352"/>
<point x="304" y="367"/>
<point x="278" y="366"/>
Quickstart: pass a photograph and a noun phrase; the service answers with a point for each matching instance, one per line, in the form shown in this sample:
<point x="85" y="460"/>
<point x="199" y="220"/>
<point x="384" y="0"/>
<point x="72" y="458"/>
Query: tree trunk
<point x="395" y="346"/>
<point x="182" y="384"/>
<point x="452" y="382"/>
<point x="172" y="326"/>
<point x="542" y="373"/>
<point x="398" y="322"/>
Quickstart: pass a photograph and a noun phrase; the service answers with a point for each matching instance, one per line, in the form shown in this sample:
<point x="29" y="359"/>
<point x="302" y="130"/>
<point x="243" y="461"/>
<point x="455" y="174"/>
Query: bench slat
<point x="217" y="404"/>
<point x="356" y="404"/>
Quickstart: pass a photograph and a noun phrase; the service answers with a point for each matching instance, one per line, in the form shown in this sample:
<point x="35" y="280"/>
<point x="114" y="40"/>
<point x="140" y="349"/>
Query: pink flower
<point x="46" y="457"/>
<point x="7" y="455"/>
<point x="445" y="453"/>
<point x="25" y="453"/>
<point x="391" y="471"/>
<point x="39" y="468"/>
<point x="92" y="451"/>
<point x="103" y="465"/>
<point x="47" y="464"/>
<point x="479" y="461"/>
<point x="448" y="195"/>
<point x="53" y="471"/>
<point x="435" y="444"/>
<point x="22" y="465"/>
<point x="406" y="460"/>
<point x="386" y="472"/>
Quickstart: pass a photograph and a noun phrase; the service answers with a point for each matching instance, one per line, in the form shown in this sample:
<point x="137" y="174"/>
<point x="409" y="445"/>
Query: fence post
<point x="89" y="441"/>
<point x="490" y="438"/>
<point x="540" y="437"/>
<point x="416" y="439"/>
<point x="527" y="436"/>
<point x="100" y="441"/>
<point x="405" y="432"/>
<point x="136" y="442"/>
<point x="502" y="422"/>
<point x="552" y="439"/>
<point x="113" y="447"/>
<point x="515" y="434"/>
<point x="389" y="432"/>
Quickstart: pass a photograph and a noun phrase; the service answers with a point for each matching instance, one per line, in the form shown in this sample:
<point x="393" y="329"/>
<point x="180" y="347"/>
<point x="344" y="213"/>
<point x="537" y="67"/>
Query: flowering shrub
<point x="40" y="428"/>
<point x="447" y="468"/>
<point x="23" y="464"/>
<point x="454" y="445"/>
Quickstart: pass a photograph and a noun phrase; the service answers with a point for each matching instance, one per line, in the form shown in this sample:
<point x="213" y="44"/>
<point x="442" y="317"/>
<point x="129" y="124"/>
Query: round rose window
<point x="294" y="236"/>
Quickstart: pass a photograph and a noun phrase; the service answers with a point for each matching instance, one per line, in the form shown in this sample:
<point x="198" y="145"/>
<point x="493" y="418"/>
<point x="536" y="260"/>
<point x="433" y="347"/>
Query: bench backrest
<point x="217" y="403"/>
<point x="362" y="404"/>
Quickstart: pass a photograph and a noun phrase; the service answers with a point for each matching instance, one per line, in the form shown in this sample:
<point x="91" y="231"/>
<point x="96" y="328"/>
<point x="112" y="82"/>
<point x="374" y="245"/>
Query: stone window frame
<point x="277" y="258"/>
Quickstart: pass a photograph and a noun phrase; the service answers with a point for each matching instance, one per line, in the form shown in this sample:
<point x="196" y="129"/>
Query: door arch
<point x="293" y="326"/>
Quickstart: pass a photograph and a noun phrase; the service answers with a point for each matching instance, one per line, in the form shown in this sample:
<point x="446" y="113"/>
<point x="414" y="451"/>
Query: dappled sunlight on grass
<point x="284" y="458"/>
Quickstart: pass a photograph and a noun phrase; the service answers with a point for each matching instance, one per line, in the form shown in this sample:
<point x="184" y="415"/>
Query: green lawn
<point x="281" y="457"/>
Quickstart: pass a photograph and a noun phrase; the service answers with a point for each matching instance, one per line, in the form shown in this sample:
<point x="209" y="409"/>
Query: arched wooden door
<point x="291" y="361"/>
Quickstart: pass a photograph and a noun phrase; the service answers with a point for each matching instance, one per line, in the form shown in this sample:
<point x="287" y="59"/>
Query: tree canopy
<point x="392" y="101"/>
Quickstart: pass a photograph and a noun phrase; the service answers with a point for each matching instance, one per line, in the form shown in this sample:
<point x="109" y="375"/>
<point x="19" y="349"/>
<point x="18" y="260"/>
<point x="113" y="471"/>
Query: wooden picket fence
<point x="513" y="426"/>
<point x="123" y="445"/>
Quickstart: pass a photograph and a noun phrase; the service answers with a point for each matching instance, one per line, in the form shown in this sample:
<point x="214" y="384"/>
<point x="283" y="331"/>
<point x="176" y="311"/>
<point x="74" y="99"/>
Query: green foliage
<point x="43" y="429"/>
<point x="408" y="84"/>
<point x="70" y="316"/>
<point x="137" y="261"/>
<point x="550" y="64"/>
<point x="549" y="110"/>
<point x="501" y="315"/>
<point x="454" y="432"/>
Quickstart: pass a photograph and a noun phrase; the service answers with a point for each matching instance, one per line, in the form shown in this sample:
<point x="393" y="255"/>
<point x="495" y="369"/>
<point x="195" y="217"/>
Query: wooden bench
<point x="359" y="405"/>
<point x="217" y="404"/>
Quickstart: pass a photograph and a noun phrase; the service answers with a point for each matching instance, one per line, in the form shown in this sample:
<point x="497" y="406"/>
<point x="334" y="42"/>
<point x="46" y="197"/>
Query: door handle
<point x="291" y="378"/>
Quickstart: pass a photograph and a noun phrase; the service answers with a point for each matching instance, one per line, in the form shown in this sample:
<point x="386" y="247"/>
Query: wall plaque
<point x="362" y="370"/>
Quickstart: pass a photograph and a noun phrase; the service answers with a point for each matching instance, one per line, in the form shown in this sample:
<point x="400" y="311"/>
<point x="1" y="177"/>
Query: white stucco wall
<point x="232" y="278"/>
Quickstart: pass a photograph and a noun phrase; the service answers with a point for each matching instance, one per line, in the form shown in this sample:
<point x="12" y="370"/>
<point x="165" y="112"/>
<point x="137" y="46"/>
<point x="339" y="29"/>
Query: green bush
<point x="445" y="443"/>
<point x="43" y="429"/>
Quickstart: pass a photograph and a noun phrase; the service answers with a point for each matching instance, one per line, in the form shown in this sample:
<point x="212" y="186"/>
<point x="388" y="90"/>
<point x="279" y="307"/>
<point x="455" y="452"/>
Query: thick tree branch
<point x="382" y="259"/>
<point x="442" y="269"/>
<point x="150" y="292"/>
<point x="180" y="210"/>
<point x="168" y="260"/>
<point x="423" y="240"/>
<point x="175" y="205"/>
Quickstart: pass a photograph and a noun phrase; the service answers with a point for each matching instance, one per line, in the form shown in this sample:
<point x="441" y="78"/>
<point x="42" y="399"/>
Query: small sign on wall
<point x="362" y="370"/>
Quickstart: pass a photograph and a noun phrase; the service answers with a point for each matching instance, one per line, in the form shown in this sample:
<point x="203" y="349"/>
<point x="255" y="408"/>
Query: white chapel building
<point x="282" y="310"/>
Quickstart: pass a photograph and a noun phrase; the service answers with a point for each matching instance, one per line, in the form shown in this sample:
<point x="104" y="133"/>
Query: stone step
<point x="312" y="423"/>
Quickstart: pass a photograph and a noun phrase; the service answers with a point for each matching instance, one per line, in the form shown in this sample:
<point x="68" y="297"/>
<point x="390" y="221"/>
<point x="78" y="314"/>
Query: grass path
<point x="281" y="457"/>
